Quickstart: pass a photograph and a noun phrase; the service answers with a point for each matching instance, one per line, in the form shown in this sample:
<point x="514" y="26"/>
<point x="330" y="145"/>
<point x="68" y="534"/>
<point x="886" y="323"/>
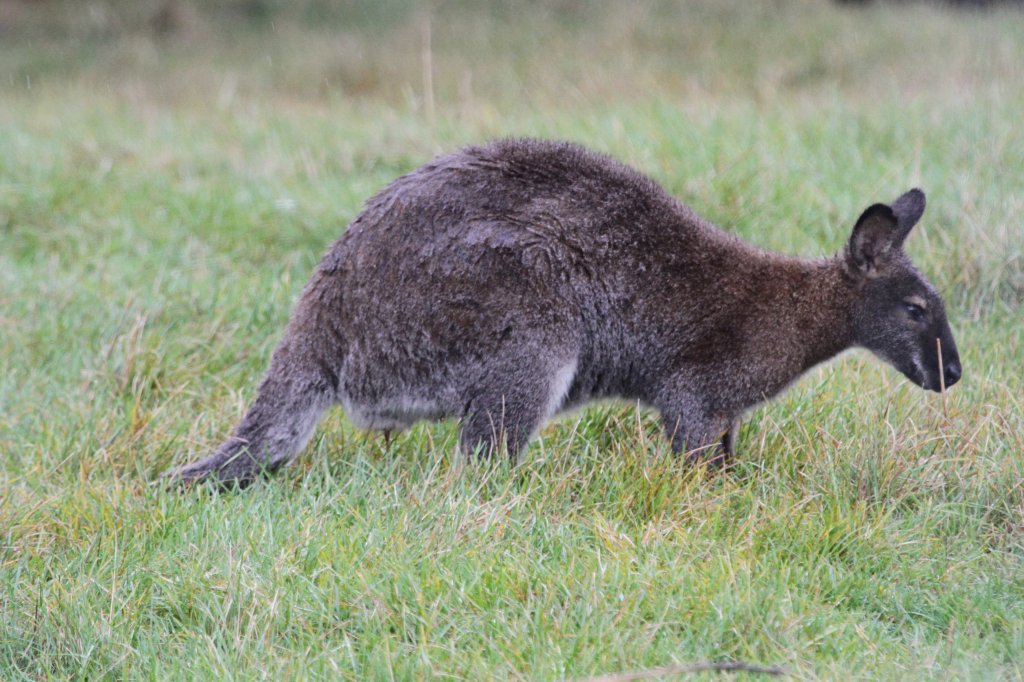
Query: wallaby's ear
<point x="880" y="231"/>
<point x="872" y="241"/>
<point x="908" y="209"/>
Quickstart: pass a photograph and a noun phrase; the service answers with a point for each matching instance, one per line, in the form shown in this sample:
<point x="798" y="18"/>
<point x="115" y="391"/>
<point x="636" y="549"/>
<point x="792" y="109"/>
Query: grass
<point x="162" y="201"/>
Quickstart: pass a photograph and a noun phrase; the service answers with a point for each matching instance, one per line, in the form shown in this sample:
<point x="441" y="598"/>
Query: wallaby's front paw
<point x="714" y="458"/>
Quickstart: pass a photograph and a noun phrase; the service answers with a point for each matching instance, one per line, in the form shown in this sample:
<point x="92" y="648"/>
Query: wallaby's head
<point x="898" y="315"/>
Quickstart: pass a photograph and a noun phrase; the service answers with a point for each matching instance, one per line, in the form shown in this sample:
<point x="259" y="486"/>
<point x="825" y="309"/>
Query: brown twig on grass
<point x="714" y="666"/>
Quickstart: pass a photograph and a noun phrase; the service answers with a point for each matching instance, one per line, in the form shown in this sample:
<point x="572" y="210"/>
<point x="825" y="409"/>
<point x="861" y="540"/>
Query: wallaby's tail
<point x="301" y="383"/>
<point x="293" y="395"/>
<point x="274" y="430"/>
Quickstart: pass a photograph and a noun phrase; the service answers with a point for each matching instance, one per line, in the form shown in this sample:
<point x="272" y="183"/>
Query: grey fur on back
<point x="507" y="282"/>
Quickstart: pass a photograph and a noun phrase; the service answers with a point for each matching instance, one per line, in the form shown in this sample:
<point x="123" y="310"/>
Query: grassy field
<point x="166" y="190"/>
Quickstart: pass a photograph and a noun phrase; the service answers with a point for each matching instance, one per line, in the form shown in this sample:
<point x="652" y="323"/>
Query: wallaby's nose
<point x="952" y="372"/>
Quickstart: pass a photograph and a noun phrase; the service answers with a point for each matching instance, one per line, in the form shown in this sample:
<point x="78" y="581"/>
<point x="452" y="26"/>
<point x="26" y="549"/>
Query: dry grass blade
<point x="709" y="666"/>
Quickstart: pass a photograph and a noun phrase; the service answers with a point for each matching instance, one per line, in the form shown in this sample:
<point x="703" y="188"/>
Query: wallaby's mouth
<point x="930" y="381"/>
<point x="916" y="373"/>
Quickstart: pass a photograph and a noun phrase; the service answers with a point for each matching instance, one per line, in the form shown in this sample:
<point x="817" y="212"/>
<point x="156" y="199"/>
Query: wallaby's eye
<point x="916" y="312"/>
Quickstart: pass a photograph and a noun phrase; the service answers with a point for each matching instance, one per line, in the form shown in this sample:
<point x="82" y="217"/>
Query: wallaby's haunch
<point x="505" y="283"/>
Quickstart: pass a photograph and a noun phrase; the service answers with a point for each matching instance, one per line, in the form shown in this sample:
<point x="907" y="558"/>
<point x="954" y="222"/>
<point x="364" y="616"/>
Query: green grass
<point x="162" y="201"/>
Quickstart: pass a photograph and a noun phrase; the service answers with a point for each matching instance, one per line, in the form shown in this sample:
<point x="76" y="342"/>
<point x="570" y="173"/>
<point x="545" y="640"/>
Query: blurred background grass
<point x="170" y="172"/>
<point x="524" y="52"/>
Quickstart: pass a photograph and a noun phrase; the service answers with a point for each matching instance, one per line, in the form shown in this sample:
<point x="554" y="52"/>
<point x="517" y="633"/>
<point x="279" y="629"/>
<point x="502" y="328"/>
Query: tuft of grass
<point x="164" y="197"/>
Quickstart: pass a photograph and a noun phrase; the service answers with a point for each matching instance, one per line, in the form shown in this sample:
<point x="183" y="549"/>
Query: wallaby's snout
<point x="953" y="370"/>
<point x="939" y="357"/>
<point x="899" y="315"/>
<point x="947" y="358"/>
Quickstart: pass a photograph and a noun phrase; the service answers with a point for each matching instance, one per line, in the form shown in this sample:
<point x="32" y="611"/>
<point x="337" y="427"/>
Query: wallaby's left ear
<point x="880" y="231"/>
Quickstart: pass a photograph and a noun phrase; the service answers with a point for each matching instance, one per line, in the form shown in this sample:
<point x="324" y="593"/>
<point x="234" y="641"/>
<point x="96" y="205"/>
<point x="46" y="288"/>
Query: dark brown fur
<point x="505" y="283"/>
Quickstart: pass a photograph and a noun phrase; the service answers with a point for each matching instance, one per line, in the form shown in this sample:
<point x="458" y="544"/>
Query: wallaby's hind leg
<point x="277" y="426"/>
<point x="510" y="415"/>
<point x="496" y="421"/>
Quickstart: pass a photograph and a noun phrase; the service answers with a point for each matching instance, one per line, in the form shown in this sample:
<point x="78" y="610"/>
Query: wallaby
<point x="508" y="282"/>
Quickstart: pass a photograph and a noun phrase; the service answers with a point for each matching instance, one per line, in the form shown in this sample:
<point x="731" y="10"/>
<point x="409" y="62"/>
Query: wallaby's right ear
<point x="908" y="209"/>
